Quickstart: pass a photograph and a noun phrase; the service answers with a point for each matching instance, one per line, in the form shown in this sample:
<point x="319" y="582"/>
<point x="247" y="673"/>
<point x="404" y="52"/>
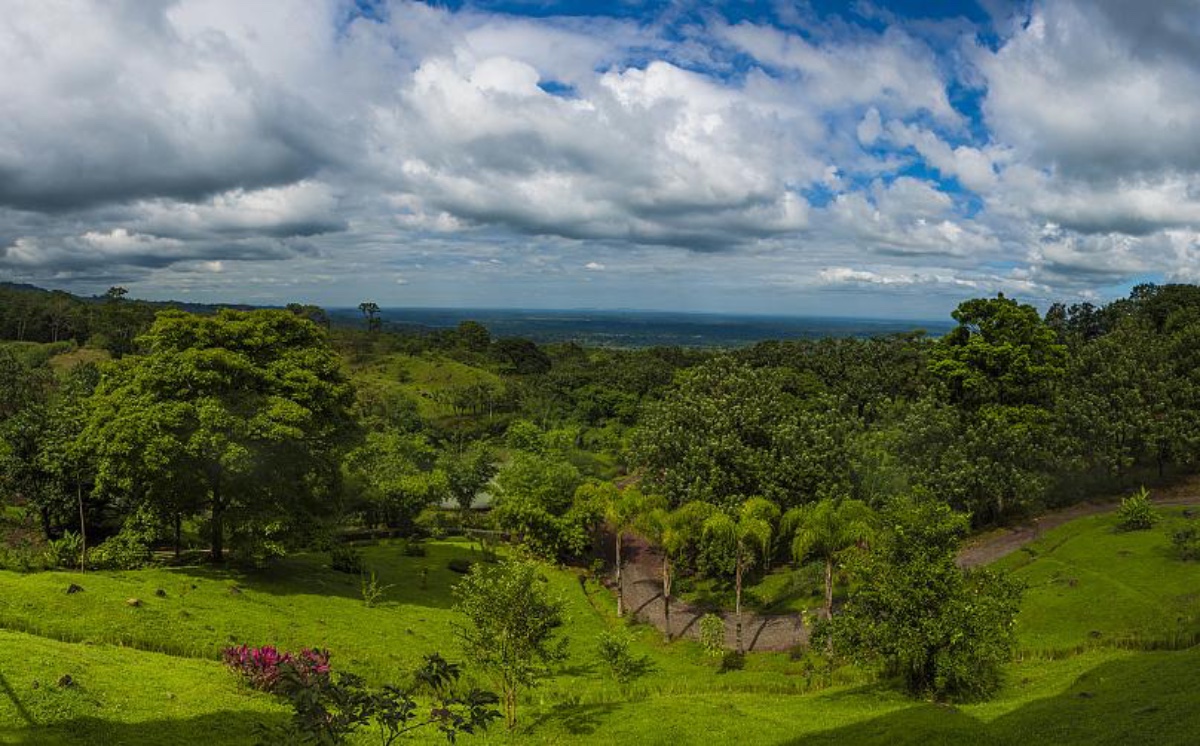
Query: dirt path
<point x="643" y="584"/>
<point x="643" y="598"/>
<point x="999" y="543"/>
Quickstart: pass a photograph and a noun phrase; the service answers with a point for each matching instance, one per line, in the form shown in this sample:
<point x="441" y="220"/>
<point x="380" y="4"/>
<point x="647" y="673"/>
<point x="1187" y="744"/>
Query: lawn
<point x="1089" y="584"/>
<point x="150" y="673"/>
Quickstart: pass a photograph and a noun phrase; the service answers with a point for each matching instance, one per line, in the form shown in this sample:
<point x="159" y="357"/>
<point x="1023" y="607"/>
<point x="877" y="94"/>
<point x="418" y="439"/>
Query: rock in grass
<point x="234" y="590"/>
<point x="160" y="593"/>
<point x="134" y="602"/>
<point x="72" y="588"/>
<point x="66" y="681"/>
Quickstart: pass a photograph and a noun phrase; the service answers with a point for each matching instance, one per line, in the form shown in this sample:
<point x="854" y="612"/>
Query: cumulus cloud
<point x="472" y="154"/>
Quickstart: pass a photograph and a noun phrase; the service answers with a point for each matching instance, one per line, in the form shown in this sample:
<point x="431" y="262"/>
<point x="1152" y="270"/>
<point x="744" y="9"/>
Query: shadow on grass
<point x="7" y="690"/>
<point x="578" y="720"/>
<point x="1149" y="698"/>
<point x="216" y="729"/>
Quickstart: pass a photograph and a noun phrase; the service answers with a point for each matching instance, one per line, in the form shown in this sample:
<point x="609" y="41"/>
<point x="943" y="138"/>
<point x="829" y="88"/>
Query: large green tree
<point x="728" y="432"/>
<point x="1001" y="352"/>
<point x="246" y="412"/>
<point x="943" y="631"/>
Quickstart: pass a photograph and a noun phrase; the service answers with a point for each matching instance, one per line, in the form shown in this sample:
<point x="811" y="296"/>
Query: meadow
<point x="1098" y="603"/>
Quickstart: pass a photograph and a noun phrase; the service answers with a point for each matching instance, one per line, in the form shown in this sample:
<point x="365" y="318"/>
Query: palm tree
<point x="825" y="530"/>
<point x="749" y="533"/>
<point x="623" y="510"/>
<point x="673" y="531"/>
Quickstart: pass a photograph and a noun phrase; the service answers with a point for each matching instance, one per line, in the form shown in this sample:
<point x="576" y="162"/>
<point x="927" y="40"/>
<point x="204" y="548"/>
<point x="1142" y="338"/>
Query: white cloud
<point x="201" y="142"/>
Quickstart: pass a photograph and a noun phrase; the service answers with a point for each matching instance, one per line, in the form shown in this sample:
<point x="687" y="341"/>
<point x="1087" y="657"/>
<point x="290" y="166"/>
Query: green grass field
<point x="150" y="674"/>
<point x="428" y="381"/>
<point x="1089" y="584"/>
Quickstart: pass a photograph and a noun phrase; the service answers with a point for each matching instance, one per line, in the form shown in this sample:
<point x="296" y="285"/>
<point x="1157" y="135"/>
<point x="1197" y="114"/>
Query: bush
<point x="438" y="523"/>
<point x="624" y="666"/>
<point x="328" y="709"/>
<point x="263" y="667"/>
<point x="414" y="549"/>
<point x="346" y="559"/>
<point x="1136" y="512"/>
<point x="712" y="634"/>
<point x="372" y="590"/>
<point x="460" y="565"/>
<point x="130" y="548"/>
<point x="1186" y="543"/>
<point x="125" y="551"/>
<point x="64" y="552"/>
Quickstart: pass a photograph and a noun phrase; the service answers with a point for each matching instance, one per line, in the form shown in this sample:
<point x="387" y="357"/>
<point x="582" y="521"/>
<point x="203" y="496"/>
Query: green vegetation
<point x="173" y="484"/>
<point x="1089" y="584"/>
<point x="1099" y="695"/>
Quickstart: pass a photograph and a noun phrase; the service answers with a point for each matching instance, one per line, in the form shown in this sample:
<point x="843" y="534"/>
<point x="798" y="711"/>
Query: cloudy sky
<point x="838" y="158"/>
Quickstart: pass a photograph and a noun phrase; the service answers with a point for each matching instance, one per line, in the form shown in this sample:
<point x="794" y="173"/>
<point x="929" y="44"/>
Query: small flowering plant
<point x="262" y="667"/>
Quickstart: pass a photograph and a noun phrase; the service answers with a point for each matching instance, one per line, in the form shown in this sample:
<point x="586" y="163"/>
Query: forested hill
<point x="32" y="314"/>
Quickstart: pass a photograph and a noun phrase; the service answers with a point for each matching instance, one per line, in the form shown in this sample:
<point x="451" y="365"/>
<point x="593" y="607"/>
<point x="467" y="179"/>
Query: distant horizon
<point x="649" y="311"/>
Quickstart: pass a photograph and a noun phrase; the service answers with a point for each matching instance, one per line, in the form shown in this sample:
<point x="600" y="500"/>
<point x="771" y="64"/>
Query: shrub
<point x="438" y="523"/>
<point x="943" y="632"/>
<point x="414" y="549"/>
<point x="328" y="709"/>
<point x="64" y="552"/>
<point x="624" y="666"/>
<point x="130" y="548"/>
<point x="460" y="565"/>
<point x="125" y="551"/>
<point x="372" y="591"/>
<point x="346" y="559"/>
<point x="1136" y="512"/>
<point x="732" y="660"/>
<point x="1186" y="543"/>
<point x="712" y="634"/>
<point x="263" y="667"/>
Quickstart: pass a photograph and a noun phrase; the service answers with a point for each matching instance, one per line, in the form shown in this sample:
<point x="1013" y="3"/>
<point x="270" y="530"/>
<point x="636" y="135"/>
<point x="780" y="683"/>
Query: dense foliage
<point x="943" y="631"/>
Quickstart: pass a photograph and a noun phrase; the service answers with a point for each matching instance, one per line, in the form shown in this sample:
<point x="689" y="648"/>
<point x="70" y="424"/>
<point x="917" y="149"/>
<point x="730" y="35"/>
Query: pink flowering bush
<point x="262" y="667"/>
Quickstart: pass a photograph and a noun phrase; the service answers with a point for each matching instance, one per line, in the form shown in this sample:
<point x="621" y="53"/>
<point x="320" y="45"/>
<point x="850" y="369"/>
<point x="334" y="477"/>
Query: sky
<point x="833" y="158"/>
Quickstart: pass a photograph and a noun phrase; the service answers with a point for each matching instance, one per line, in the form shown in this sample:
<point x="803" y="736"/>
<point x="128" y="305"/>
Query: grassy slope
<point x="423" y="379"/>
<point x="122" y="696"/>
<point x="1103" y="696"/>
<point x="1090" y="584"/>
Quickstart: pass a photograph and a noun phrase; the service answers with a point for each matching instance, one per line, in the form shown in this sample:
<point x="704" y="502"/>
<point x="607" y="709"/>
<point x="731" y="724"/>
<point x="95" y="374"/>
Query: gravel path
<point x="643" y="598"/>
<point x="643" y="584"/>
<point x="1001" y="542"/>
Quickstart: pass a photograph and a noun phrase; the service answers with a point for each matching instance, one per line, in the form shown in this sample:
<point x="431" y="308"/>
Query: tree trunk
<point x="510" y="707"/>
<point x="178" y="531"/>
<point x="620" y="594"/>
<point x="218" y="522"/>
<point x="82" y="528"/>
<point x="737" y="583"/>
<point x="829" y="587"/>
<point x="666" y="578"/>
